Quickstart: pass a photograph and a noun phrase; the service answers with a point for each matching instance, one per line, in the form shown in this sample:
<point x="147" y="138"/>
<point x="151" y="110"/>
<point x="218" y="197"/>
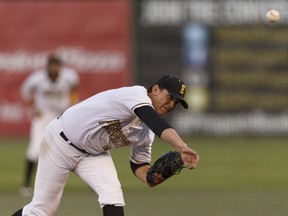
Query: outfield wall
<point x="234" y="62"/>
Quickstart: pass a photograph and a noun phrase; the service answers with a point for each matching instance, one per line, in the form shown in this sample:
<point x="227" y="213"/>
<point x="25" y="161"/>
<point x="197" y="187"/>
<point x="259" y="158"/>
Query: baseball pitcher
<point x="79" y="141"/>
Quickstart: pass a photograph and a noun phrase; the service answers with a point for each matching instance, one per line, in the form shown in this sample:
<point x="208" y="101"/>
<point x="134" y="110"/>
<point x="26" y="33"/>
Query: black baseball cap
<point x="175" y="86"/>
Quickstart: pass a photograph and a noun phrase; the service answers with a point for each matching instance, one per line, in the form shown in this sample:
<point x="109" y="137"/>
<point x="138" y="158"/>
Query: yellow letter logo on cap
<point x="182" y="89"/>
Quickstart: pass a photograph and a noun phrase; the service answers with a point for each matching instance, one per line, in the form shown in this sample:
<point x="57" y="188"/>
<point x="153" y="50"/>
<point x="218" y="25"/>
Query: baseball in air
<point x="273" y="16"/>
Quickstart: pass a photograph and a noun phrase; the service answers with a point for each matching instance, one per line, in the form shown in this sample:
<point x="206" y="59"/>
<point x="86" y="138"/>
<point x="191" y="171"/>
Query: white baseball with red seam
<point x="273" y="15"/>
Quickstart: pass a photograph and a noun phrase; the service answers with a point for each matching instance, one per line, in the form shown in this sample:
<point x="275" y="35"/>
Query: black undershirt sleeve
<point x="152" y="119"/>
<point x="135" y="166"/>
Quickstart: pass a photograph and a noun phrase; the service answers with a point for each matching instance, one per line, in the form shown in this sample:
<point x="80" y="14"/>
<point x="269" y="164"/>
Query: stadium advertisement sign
<point x="93" y="37"/>
<point x="233" y="60"/>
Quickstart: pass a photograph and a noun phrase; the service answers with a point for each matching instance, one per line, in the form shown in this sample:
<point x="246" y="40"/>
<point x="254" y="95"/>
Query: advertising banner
<point x="92" y="37"/>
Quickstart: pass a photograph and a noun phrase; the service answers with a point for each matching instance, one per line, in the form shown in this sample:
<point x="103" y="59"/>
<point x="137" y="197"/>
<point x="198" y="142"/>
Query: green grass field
<point x="235" y="177"/>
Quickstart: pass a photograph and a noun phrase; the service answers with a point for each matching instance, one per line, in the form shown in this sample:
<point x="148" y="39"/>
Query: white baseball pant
<point x="57" y="159"/>
<point x="38" y="125"/>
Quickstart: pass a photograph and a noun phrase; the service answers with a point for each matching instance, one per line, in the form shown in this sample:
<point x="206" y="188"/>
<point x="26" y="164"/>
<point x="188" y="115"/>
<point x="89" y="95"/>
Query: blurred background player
<point x="47" y="92"/>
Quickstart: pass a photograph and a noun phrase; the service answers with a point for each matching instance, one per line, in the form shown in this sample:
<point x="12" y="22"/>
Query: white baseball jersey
<point x="107" y="120"/>
<point x="50" y="96"/>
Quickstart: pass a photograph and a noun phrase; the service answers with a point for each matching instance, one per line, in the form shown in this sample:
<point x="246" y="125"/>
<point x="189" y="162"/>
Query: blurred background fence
<point x="233" y="61"/>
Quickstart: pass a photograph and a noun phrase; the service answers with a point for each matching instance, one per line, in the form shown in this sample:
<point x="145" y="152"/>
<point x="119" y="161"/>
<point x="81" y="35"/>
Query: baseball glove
<point x="164" y="167"/>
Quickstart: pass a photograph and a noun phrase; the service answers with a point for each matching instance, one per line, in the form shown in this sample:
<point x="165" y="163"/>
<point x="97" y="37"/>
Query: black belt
<point x="70" y="143"/>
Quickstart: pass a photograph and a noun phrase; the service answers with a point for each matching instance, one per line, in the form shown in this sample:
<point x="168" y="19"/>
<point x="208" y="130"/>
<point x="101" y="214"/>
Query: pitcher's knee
<point x="111" y="198"/>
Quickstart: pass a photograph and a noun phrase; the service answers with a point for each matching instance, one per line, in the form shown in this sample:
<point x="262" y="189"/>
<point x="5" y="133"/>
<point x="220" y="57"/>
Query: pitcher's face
<point x="162" y="101"/>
